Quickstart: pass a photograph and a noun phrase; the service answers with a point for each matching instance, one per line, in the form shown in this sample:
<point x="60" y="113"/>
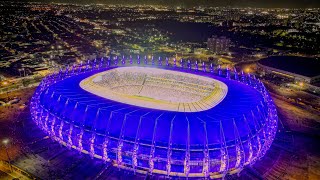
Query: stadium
<point x="186" y="119"/>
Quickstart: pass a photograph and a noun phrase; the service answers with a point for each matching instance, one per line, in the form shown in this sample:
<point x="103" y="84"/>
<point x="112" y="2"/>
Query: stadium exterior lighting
<point x="133" y="114"/>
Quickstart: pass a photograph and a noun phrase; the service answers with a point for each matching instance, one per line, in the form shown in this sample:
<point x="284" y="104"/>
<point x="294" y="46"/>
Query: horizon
<point x="189" y="3"/>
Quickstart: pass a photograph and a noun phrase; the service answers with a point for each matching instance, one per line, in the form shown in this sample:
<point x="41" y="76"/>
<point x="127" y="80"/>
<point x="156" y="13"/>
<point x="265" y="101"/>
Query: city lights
<point x="4" y="83"/>
<point x="301" y="84"/>
<point x="5" y="141"/>
<point x="156" y="89"/>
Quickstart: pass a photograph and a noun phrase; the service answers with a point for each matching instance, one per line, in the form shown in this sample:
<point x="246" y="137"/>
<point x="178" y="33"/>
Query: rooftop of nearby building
<point x="309" y="67"/>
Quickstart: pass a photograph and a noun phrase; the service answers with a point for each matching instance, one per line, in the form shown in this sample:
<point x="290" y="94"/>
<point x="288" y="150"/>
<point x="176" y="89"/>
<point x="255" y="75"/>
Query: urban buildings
<point x="218" y="45"/>
<point x="299" y="69"/>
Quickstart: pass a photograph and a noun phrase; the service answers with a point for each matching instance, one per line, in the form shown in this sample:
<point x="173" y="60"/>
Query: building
<point x="218" y="45"/>
<point x="148" y="119"/>
<point x="301" y="69"/>
<point x="200" y="51"/>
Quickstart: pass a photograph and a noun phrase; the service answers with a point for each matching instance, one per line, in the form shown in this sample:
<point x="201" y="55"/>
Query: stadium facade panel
<point x="210" y="135"/>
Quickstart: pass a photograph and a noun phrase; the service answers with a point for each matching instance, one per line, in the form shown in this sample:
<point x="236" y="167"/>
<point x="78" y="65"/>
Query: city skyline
<point x="191" y="3"/>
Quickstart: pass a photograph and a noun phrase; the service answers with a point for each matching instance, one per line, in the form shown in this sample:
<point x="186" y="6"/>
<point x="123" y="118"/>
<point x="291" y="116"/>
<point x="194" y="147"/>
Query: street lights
<point x="5" y="142"/>
<point x="301" y="84"/>
<point x="5" y="83"/>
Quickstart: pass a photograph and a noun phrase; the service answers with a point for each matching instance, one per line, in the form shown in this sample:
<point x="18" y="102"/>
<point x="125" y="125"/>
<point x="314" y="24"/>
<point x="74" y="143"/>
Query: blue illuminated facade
<point x="215" y="142"/>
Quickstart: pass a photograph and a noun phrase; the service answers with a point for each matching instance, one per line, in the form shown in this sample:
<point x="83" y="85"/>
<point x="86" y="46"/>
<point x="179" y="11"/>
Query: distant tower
<point x="218" y="45"/>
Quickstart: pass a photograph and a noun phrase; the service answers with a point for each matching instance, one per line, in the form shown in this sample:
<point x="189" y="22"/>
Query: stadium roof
<point x="309" y="67"/>
<point x="239" y="102"/>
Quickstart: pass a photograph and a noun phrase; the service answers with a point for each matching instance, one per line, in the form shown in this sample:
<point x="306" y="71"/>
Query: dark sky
<point x="188" y="3"/>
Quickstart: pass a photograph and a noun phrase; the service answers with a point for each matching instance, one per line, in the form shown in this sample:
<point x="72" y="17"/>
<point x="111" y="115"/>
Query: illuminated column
<point x="187" y="163"/>
<point x="93" y="137"/>
<point x="119" y="152"/>
<point x="151" y="158"/>
<point x="145" y="60"/>
<point x="116" y="61"/>
<point x="196" y="65"/>
<point x="239" y="149"/>
<point x="168" y="166"/>
<point x="151" y="163"/>
<point x="253" y="81"/>
<point x="205" y="169"/>
<point x="250" y="151"/>
<point x="167" y="61"/>
<point x="134" y="156"/>
<point x="235" y="74"/>
<point x="250" y="146"/>
<point x="46" y="122"/>
<point x="120" y="141"/>
<point x="257" y="147"/>
<point x="224" y="165"/>
<point x="269" y="127"/>
<point x="105" y="149"/>
<point x="169" y="152"/>
<point x="249" y="79"/>
<point x="39" y="118"/>
<point x="131" y="61"/>
<point x="59" y="99"/>
<point x="60" y="131"/>
<point x="206" y="159"/>
<point x="108" y="62"/>
<point x="259" y="85"/>
<point x="152" y="60"/>
<point x="66" y="104"/>
<point x="187" y="156"/>
<point x="94" y="64"/>
<point x="228" y="73"/>
<point x="87" y="66"/>
<point x="123" y="60"/>
<point x="136" y="148"/>
<point x="101" y="63"/>
<point x="203" y="67"/>
<point x="138" y="59"/>
<point x="260" y="140"/>
<point x="69" y="144"/>
<point x="80" y="148"/>
<point x="53" y="133"/>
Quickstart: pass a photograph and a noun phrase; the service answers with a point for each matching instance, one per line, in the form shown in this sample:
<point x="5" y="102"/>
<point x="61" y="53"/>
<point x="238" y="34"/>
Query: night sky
<point x="190" y="3"/>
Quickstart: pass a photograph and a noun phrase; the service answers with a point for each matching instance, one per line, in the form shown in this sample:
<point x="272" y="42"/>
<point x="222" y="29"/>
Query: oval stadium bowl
<point x="160" y="119"/>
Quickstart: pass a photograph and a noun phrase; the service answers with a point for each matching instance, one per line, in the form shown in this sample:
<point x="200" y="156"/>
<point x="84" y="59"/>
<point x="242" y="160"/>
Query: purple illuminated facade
<point x="213" y="142"/>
